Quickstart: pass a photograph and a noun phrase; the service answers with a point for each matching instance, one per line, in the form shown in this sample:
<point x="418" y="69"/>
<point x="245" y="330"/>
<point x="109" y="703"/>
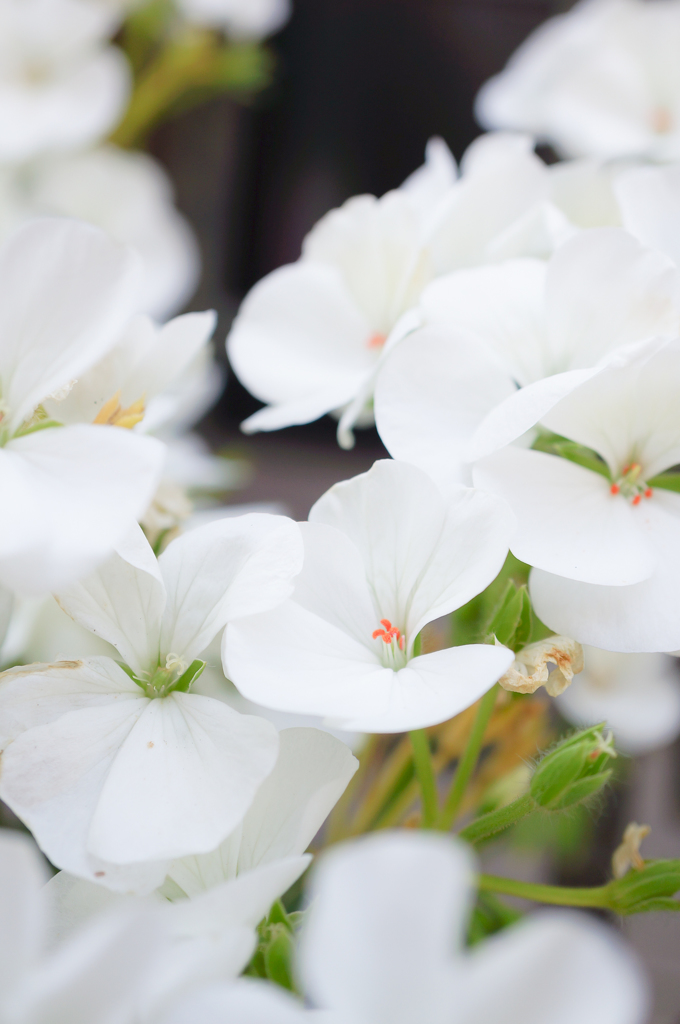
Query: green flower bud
<point x="279" y="952"/>
<point x="651" y="887"/>
<point x="574" y="770"/>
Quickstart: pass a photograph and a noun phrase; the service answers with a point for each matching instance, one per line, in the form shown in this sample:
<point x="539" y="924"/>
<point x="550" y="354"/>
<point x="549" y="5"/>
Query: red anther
<point x="648" y="492"/>
<point x="614" y="489"/>
<point x="637" y="499"/>
<point x="377" y="633"/>
<point x="386" y="623"/>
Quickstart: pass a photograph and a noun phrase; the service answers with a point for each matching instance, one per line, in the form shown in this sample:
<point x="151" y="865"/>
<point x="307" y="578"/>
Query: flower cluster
<point x="513" y="329"/>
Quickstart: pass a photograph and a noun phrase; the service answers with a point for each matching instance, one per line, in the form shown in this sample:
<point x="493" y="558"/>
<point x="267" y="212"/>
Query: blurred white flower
<point x="601" y="80"/>
<point x="66" y="291"/>
<point x="240" y="19"/>
<point x="218" y="895"/>
<point x="61" y="85"/>
<point x="602" y="536"/>
<point x="385" y="943"/>
<point x="637" y="695"/>
<point x="95" y="977"/>
<point x="448" y="393"/>
<point x="384" y="556"/>
<point x="113" y="766"/>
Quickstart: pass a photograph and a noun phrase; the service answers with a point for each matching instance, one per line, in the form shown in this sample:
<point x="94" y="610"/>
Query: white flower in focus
<point x="448" y="393"/>
<point x="310" y="336"/>
<point x="115" y="766"/>
<point x="637" y="695"/>
<point x="130" y="196"/>
<point x="385" y="943"/>
<point x="61" y="85"/>
<point x="95" y="977"/>
<point x="216" y="896"/>
<point x="384" y="556"/>
<point x="66" y="291"/>
<point x="601" y="80"/>
<point x="240" y="19"/>
<point x="604" y="538"/>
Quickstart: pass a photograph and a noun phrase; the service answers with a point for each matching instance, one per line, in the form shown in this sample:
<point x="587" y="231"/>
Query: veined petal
<point x="123" y="601"/>
<point x="228" y="569"/>
<point x="641" y="617"/>
<point x="311" y="774"/>
<point x="66" y="290"/>
<point x="527" y="975"/>
<point x="568" y="522"/>
<point x="181" y="780"/>
<point x="431" y="689"/>
<point x="433" y="390"/>
<point x="75" y="491"/>
<point x="389" y="910"/>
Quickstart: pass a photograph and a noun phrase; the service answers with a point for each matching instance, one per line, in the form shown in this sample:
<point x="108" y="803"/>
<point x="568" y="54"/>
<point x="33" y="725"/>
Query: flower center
<point x="630" y="485"/>
<point x="112" y="413"/>
<point x="175" y="676"/>
<point x="393" y="644"/>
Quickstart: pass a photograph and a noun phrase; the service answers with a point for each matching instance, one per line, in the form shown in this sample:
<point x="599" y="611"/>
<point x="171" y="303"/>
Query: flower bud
<point x="652" y="887"/>
<point x="573" y="770"/>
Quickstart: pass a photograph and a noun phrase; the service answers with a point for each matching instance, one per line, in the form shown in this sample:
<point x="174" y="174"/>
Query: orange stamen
<point x="648" y="492"/>
<point x="614" y="489"/>
<point x="637" y="499"/>
<point x="376" y="340"/>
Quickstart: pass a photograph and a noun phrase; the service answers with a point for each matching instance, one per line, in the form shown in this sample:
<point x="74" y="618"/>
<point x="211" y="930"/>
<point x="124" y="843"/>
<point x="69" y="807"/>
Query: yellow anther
<point x="113" y="415"/>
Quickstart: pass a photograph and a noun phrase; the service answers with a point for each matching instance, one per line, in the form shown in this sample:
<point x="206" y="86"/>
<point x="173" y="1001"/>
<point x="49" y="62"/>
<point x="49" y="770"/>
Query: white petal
<point x="22" y="922"/>
<point x="244" y="1002"/>
<point x="75" y="491"/>
<point x="223" y="571"/>
<point x="431" y="689"/>
<point x="175" y="345"/>
<point x="558" y="967"/>
<point x="181" y="780"/>
<point x="638" y="695"/>
<point x="389" y="910"/>
<point x="75" y="901"/>
<point x="299" y="334"/>
<point x="629" y="410"/>
<point x="604" y="290"/>
<point x="426" y="186"/>
<point x="568" y="522"/>
<point x="310" y="775"/>
<point x="649" y="200"/>
<point x="500" y="307"/>
<point x="66" y="290"/>
<point x="123" y="601"/>
<point x="422" y="557"/>
<point x="432" y="391"/>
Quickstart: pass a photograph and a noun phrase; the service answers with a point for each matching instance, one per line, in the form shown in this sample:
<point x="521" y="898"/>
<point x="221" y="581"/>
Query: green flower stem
<point x="555" y="894"/>
<point x="468" y="761"/>
<point x="422" y="760"/>
<point x="495" y="821"/>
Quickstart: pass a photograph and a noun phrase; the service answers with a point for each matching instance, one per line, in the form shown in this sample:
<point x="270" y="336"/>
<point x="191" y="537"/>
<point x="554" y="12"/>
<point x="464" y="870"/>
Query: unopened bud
<point x="552" y="663"/>
<point x="573" y="770"/>
<point x="652" y="887"/>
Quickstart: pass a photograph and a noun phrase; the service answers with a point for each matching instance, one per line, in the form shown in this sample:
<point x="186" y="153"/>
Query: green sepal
<point x="666" y="481"/>
<point x="512" y="621"/>
<point x="649" y="888"/>
<point x="553" y="444"/>
<point x="188" y="678"/>
<point x="279" y="954"/>
<point x="572" y="771"/>
<point x="128" y="672"/>
<point x="32" y="428"/>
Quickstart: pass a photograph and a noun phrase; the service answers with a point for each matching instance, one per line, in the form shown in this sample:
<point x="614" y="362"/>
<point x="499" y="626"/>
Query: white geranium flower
<point x="384" y="943"/>
<point x="310" y="336"/>
<point x="218" y="898"/>
<point x="66" y="292"/>
<point x="384" y="556"/>
<point x="605" y="540"/>
<point x="94" y="978"/>
<point x="241" y="19"/>
<point x="637" y="695"/>
<point x="448" y="393"/>
<point x="600" y="80"/>
<point x="61" y="85"/>
<point x="113" y="766"/>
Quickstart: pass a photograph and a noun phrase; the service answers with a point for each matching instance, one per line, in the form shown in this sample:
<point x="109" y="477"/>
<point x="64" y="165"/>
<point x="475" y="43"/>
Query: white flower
<point x="448" y="393"/>
<point x="94" y="978"/>
<point x="384" y="556"/>
<point x="605" y="539"/>
<point x="384" y="943"/>
<point x="66" y="291"/>
<point x="110" y="766"/>
<point x="600" y="80"/>
<point x="130" y="196"/>
<point x="241" y="19"/>
<point x="637" y="695"/>
<point x="218" y="898"/>
<point x="310" y="336"/>
<point x="61" y="86"/>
